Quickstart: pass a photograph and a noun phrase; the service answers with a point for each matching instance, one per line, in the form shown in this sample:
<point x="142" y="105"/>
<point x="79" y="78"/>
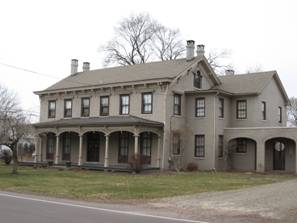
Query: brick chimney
<point x="229" y="72"/>
<point x="86" y="66"/>
<point x="200" y="50"/>
<point x="74" y="66"/>
<point x="190" y="49"/>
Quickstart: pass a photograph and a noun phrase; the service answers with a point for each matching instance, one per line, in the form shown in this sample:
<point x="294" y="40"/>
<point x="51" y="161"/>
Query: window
<point x="176" y="144"/>
<point x="66" y="146"/>
<point x="177" y="104"/>
<point x="104" y="105"/>
<point x="263" y="110"/>
<point x="147" y="103"/>
<point x="280" y="115"/>
<point x="67" y="108"/>
<point x="146" y="147"/>
<point x="197" y="77"/>
<point x="85" y="107"/>
<point x="221" y="146"/>
<point x="241" y="146"/>
<point x="51" y="109"/>
<point x="123" y="147"/>
<point x="241" y="109"/>
<point x="124" y="104"/>
<point x="200" y="107"/>
<point x="50" y="145"/>
<point x="199" y="146"/>
<point x="221" y="107"/>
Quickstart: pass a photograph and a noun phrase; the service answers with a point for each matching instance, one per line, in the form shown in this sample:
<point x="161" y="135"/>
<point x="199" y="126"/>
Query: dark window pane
<point x="200" y="107"/>
<point x="199" y="146"/>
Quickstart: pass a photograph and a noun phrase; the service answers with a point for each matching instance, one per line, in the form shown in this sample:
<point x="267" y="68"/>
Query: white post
<point x="159" y="152"/>
<point x="136" y="147"/>
<point x="57" y="150"/>
<point x="106" y="164"/>
<point x="260" y="157"/>
<point x="80" y="150"/>
<point x="36" y="139"/>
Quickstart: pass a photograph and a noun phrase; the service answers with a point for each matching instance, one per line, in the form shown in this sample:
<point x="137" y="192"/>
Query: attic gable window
<point x="197" y="78"/>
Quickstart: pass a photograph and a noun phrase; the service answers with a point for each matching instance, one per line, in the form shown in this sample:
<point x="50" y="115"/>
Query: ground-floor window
<point x="221" y="146"/>
<point x="241" y="146"/>
<point x="123" y="147"/>
<point x="66" y="150"/>
<point x="146" y="147"/>
<point x="50" y="145"/>
<point x="176" y="144"/>
<point x="199" y="146"/>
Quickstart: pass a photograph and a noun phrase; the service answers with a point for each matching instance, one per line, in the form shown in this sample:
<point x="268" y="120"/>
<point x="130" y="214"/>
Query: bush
<point x="192" y="167"/>
<point x="136" y="163"/>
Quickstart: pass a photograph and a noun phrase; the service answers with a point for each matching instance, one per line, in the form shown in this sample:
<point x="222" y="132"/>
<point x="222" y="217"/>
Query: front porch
<point x="261" y="149"/>
<point x="98" y="145"/>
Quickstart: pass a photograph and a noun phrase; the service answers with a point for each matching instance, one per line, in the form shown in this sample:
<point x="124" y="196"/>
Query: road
<point x="19" y="208"/>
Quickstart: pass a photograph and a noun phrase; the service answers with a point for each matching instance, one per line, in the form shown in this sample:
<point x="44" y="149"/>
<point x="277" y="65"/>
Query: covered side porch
<point x="101" y="142"/>
<point x="261" y="149"/>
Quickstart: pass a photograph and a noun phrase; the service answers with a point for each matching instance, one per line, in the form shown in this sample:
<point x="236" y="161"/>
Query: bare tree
<point x="215" y="59"/>
<point x="292" y="111"/>
<point x="167" y="43"/>
<point x="13" y="123"/>
<point x="254" y="69"/>
<point x="139" y="39"/>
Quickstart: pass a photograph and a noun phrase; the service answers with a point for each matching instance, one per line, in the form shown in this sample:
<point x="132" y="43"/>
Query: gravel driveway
<point x="267" y="203"/>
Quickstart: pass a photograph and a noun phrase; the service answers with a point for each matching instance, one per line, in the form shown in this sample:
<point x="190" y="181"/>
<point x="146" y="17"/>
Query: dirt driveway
<point x="267" y="203"/>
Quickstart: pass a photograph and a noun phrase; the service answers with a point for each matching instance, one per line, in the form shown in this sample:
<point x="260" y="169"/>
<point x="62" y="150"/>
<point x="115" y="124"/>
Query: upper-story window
<point x="263" y="110"/>
<point x="280" y="115"/>
<point x="124" y="104"/>
<point x="200" y="107"/>
<point x="197" y="79"/>
<point x="177" y="104"/>
<point x="68" y="108"/>
<point x="147" y="103"/>
<point x="85" y="107"/>
<point x="104" y="105"/>
<point x="241" y="109"/>
<point x="52" y="109"/>
<point x="221" y="107"/>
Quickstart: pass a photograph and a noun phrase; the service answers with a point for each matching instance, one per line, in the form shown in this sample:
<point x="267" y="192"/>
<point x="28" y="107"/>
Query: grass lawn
<point x="93" y="185"/>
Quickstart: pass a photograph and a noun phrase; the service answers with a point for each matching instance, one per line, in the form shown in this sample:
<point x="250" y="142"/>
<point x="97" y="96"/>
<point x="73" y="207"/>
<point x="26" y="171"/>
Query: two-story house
<point x="168" y="111"/>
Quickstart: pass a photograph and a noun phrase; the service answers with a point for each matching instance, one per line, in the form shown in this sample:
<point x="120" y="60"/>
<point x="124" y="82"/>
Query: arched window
<point x="197" y="79"/>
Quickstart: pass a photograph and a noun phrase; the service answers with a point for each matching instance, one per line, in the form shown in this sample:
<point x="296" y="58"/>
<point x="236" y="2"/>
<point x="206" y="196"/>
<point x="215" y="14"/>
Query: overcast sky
<point x="43" y="36"/>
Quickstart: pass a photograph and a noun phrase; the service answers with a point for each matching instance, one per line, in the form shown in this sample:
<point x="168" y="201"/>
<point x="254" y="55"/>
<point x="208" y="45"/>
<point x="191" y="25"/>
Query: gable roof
<point x="123" y="74"/>
<point x="252" y="83"/>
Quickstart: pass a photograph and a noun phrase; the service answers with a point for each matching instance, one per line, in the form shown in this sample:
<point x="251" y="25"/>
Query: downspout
<point x="214" y="128"/>
<point x="164" y="143"/>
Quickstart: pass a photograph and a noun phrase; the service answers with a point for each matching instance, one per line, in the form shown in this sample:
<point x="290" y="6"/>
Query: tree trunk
<point x="14" y="159"/>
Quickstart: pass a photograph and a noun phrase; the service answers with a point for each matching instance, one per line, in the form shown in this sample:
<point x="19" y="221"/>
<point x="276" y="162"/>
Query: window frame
<point x="241" y="145"/>
<point x="50" y="146"/>
<point x="221" y="146"/>
<point x="143" y="103"/>
<point x="263" y="110"/>
<point x="221" y="107"/>
<point x="66" y="115"/>
<point x="177" y="105"/>
<point x="65" y="140"/>
<point x="280" y="114"/>
<point x="51" y="114"/>
<point x="197" y="147"/>
<point x="102" y="107"/>
<point x="197" y="108"/>
<point x="197" y="79"/>
<point x="82" y="113"/>
<point x="241" y="110"/>
<point x="124" y="137"/>
<point x="122" y="106"/>
<point x="176" y="144"/>
<point x="146" y="144"/>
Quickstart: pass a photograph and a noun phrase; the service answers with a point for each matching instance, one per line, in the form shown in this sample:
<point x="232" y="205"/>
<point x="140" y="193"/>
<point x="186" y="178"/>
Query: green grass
<point x="92" y="185"/>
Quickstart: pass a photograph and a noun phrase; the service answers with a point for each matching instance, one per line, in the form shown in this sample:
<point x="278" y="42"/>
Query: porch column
<point x="37" y="148"/>
<point x="136" y="147"/>
<point x="57" y="149"/>
<point x="260" y="162"/>
<point x="80" y="150"/>
<point x="106" y="164"/>
<point x="159" y="152"/>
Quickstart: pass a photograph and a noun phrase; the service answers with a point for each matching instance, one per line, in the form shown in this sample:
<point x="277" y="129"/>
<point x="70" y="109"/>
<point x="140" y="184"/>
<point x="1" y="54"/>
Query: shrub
<point x="192" y="167"/>
<point x="136" y="163"/>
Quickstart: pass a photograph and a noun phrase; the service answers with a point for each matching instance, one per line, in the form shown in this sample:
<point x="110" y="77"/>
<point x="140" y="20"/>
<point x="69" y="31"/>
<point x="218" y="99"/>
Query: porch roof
<point x="126" y="120"/>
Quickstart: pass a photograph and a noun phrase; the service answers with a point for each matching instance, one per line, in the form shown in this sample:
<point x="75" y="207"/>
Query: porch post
<point x="37" y="148"/>
<point x="106" y="164"/>
<point x="57" y="149"/>
<point x="80" y="150"/>
<point x="260" y="162"/>
<point x="136" y="147"/>
<point x="159" y="152"/>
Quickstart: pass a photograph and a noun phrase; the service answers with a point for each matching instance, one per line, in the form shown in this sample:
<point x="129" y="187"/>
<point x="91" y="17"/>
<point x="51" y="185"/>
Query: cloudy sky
<point x="43" y="36"/>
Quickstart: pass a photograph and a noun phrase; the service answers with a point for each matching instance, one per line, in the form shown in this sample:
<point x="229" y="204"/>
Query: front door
<point x="279" y="156"/>
<point x="93" y="147"/>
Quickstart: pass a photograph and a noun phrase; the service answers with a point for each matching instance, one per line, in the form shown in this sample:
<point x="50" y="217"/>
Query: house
<point x="176" y="111"/>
